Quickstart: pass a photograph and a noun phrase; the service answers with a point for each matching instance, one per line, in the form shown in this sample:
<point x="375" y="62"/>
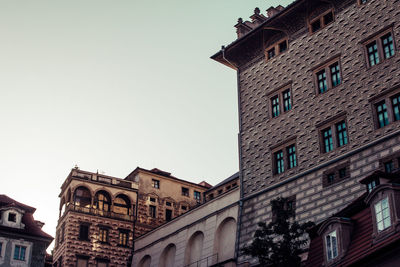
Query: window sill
<point x="381" y="62"/>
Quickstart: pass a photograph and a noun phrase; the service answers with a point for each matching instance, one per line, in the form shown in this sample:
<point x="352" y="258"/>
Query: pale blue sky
<point x="112" y="85"/>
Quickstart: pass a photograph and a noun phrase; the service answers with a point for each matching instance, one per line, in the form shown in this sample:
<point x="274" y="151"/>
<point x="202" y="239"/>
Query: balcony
<point x="96" y="212"/>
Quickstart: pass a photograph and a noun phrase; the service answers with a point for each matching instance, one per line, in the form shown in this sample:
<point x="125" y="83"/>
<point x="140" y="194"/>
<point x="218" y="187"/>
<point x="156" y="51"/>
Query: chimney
<point x="272" y="11"/>
<point x="241" y="28"/>
<point x="39" y="224"/>
<point x="257" y="18"/>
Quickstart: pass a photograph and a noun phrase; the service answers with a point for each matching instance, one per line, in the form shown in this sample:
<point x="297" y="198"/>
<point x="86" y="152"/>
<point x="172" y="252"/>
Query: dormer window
<point x="382" y="213"/>
<point x="371" y="185"/>
<point x="331" y="246"/>
<point x="276" y="49"/>
<point x="321" y="21"/>
<point x="12" y="217"/>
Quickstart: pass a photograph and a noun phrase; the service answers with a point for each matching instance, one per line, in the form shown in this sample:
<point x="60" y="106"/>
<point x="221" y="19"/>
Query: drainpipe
<point x="240" y="212"/>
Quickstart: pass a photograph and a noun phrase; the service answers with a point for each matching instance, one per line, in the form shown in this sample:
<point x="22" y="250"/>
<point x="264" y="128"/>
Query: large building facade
<point x="319" y="94"/>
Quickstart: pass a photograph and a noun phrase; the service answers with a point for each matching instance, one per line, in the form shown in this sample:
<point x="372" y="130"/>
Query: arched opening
<point x="145" y="261"/>
<point x="194" y="248"/>
<point x="167" y="258"/>
<point x="225" y="238"/>
<point x="102" y="201"/>
<point x="62" y="207"/>
<point x="82" y="197"/>
<point x="122" y="205"/>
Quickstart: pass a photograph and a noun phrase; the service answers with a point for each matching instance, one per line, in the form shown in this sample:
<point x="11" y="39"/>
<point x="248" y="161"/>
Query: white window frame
<point x="383" y="219"/>
<point x="21" y="263"/>
<point x="3" y="242"/>
<point x="330" y="249"/>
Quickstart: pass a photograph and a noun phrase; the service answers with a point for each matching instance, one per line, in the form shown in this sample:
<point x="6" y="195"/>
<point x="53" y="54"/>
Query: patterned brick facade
<point x="353" y="99"/>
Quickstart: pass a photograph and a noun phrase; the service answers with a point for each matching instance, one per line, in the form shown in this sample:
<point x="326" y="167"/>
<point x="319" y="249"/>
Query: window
<point x="103" y="235"/>
<point x="331" y="246"/>
<point x="362" y="1"/>
<point x="12" y="217"/>
<point x="388" y="166"/>
<point x="197" y="195"/>
<point x="386" y="108"/>
<point x="379" y="47"/>
<point x="19" y="253"/>
<point x="168" y="203"/>
<point x="382" y="213"/>
<point x="102" y="201"/>
<point x="281" y="101"/>
<point x="220" y="191"/>
<point x="279" y="163"/>
<point x="381" y="111"/>
<point x="123" y="238"/>
<point x="82" y="197"/>
<point x="333" y="134"/>
<point x="327" y="76"/>
<point x="155" y="183"/>
<point x="84" y="232"/>
<point x="371" y="185"/>
<point x="284" y="158"/>
<point x="276" y="49"/>
<point x="62" y="232"/>
<point x="184" y="207"/>
<point x="122" y="205"/>
<point x="185" y="191"/>
<point x="152" y="211"/>
<point x="322" y="21"/>
<point x="168" y="215"/>
<point x="81" y="262"/>
<point x="336" y="174"/>
<point x="291" y="153"/>
<point x="1" y="249"/>
<point x="286" y="204"/>
<point x="152" y="199"/>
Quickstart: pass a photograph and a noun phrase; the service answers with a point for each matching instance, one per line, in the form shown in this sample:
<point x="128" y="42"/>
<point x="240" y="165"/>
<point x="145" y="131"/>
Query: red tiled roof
<point x="361" y="245"/>
<point x="31" y="228"/>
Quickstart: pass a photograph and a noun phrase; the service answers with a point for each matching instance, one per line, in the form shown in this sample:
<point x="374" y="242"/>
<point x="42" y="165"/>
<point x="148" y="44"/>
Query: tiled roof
<point x="31" y="228"/>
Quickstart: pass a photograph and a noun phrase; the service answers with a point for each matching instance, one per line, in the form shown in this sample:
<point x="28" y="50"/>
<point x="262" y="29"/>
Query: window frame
<point x="327" y="249"/>
<point x="284" y="149"/>
<point x="332" y="125"/>
<point x="198" y="193"/>
<point x="322" y="23"/>
<point x="102" y="236"/>
<point x="155" y="183"/>
<point x="377" y="37"/>
<point x="81" y="225"/>
<point x="185" y="191"/>
<point x="123" y="233"/>
<point x="387" y="98"/>
<point x="153" y="211"/>
<point x="276" y="49"/>
<point x="326" y="68"/>
<point x="279" y="95"/>
<point x="335" y="171"/>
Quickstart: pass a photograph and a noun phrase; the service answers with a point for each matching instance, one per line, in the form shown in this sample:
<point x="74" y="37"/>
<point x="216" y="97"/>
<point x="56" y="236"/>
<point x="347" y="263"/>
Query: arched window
<point x="82" y="197"/>
<point x="122" y="205"/>
<point x="102" y="201"/>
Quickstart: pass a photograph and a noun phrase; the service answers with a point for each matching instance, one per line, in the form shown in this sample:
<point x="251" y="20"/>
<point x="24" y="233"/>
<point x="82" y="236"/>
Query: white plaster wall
<point x="179" y="231"/>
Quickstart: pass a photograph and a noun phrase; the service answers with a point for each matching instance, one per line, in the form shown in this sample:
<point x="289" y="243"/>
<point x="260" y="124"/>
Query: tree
<point x="279" y="242"/>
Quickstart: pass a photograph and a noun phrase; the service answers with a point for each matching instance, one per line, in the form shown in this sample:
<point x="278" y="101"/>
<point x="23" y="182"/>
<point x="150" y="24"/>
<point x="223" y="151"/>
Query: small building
<point x="96" y="221"/>
<point x="22" y="240"/>
<point x="203" y="236"/>
<point x="364" y="233"/>
<point x="163" y="197"/>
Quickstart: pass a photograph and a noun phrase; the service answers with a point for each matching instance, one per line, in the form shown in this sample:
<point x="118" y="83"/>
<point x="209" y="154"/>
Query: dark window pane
<point x="282" y="46"/>
<point x="291" y="152"/>
<point x="321" y="79"/>
<point x="328" y="18"/>
<point x="316" y="25"/>
<point x="335" y="74"/>
<point x="382" y="114"/>
<point x="331" y="178"/>
<point x="271" y="53"/>
<point x="389" y="166"/>
<point x="396" y="107"/>
<point x="84" y="232"/>
<point x="373" y="55"/>
<point x="168" y="215"/>
<point x="152" y="211"/>
<point x="387" y="45"/>
<point x="287" y="103"/>
<point x="327" y="139"/>
<point x="341" y="133"/>
<point x="279" y="162"/>
<point x="342" y="173"/>
<point x="275" y="106"/>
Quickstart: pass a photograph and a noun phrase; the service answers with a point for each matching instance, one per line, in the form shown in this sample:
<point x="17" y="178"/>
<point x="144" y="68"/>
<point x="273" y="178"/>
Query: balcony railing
<point x="96" y="212"/>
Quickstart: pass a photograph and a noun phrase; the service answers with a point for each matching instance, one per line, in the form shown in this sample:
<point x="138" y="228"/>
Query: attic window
<point x="382" y="213"/>
<point x="322" y="21"/>
<point x="276" y="49"/>
<point x="371" y="185"/>
<point x="331" y="246"/>
<point x="12" y="217"/>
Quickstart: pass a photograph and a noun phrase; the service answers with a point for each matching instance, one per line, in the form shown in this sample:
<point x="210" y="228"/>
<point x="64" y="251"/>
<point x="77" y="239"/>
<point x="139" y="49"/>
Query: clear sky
<point x="112" y="85"/>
